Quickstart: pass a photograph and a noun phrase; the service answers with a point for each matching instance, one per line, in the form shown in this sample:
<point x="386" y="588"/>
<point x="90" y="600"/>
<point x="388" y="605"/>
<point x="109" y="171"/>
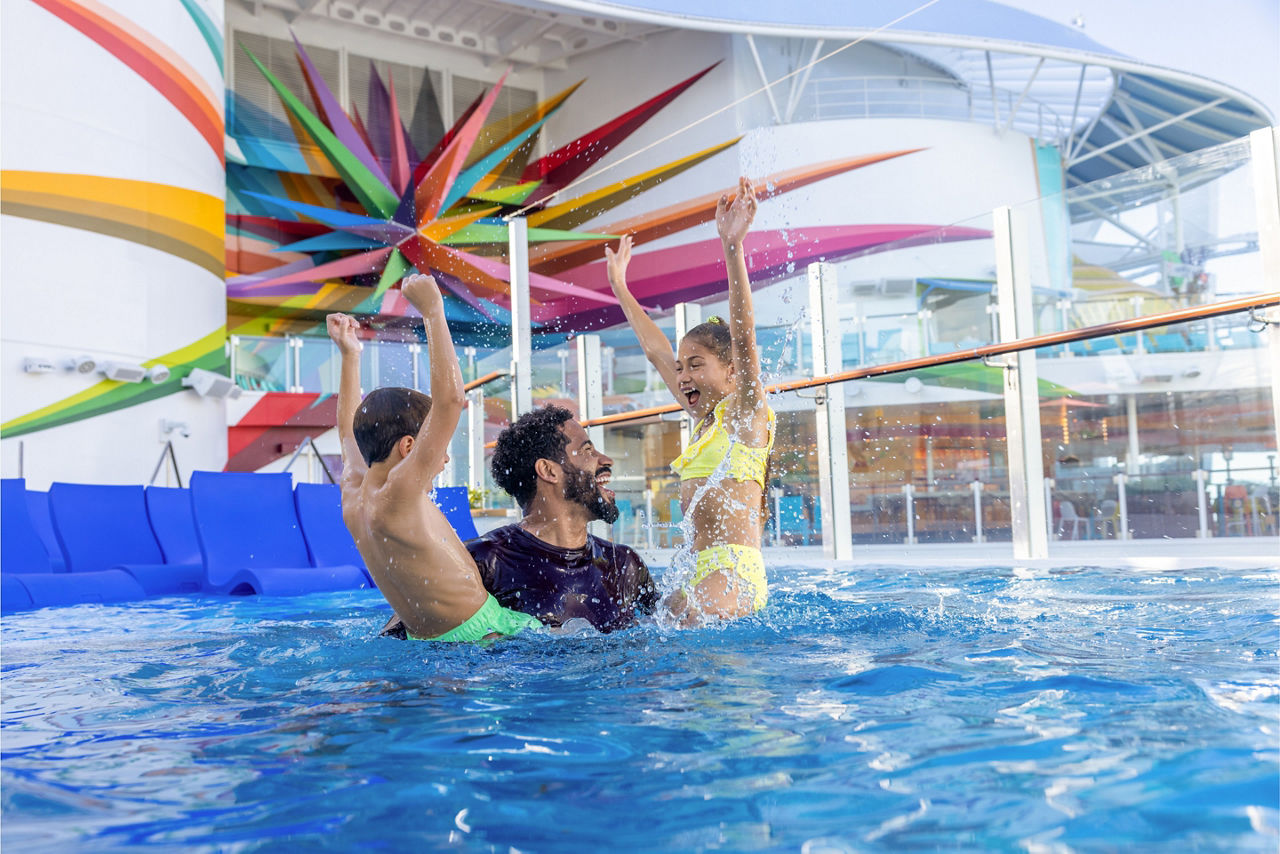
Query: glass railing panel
<point x="648" y="492"/>
<point x="1180" y="233"/>
<point x="261" y="364"/>
<point x="1165" y="443"/>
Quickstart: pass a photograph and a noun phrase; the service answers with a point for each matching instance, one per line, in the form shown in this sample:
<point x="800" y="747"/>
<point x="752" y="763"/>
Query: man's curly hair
<point x="534" y="436"/>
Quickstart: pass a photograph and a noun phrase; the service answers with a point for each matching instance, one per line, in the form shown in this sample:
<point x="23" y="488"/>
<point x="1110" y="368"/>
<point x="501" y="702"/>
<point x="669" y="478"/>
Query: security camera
<point x="158" y="373"/>
<point x="180" y="427"/>
<point x="37" y="365"/>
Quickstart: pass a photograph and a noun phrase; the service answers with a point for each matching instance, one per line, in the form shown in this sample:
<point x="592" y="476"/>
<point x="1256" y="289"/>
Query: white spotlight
<point x="158" y="373"/>
<point x="125" y="372"/>
<point x="209" y="384"/>
<point x="81" y="364"/>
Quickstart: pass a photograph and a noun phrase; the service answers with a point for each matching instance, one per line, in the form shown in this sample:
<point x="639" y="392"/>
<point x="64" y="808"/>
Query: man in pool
<point x="394" y="443"/>
<point x="547" y="564"/>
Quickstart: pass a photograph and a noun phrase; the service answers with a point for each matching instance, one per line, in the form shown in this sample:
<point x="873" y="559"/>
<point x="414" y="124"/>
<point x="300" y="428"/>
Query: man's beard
<point x="581" y="488"/>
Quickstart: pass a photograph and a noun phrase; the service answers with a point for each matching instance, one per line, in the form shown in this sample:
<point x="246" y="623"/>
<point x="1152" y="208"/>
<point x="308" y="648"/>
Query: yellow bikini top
<point x="705" y="454"/>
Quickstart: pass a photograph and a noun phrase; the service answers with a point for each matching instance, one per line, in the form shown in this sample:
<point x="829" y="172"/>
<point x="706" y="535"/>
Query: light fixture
<point x="209" y="384"/>
<point x="82" y="364"/>
<point x="38" y="365"/>
<point x="913" y="385"/>
<point x="396" y="23"/>
<point x="125" y="372"/>
<point x="158" y="373"/>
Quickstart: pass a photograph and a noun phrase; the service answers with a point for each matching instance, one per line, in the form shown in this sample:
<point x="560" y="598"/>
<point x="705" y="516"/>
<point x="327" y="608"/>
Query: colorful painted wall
<point x="111" y="250"/>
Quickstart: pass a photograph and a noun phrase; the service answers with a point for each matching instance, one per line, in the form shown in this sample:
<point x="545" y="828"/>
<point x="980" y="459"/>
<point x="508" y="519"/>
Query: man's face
<point x="587" y="470"/>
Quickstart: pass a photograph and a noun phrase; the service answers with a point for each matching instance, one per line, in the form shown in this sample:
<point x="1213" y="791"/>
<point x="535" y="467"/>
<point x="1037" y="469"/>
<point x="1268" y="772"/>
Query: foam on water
<point x="866" y="709"/>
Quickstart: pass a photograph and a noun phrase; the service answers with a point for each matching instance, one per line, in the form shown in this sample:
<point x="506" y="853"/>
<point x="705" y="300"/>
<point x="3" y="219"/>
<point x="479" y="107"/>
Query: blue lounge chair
<point x="456" y="507"/>
<point x="251" y="541"/>
<point x="23" y="556"/>
<point x="108" y="527"/>
<point x="328" y="541"/>
<point x="38" y="504"/>
<point x="169" y="510"/>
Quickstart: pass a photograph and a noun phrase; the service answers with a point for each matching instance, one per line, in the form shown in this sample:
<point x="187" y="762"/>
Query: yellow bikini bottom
<point x="746" y="562"/>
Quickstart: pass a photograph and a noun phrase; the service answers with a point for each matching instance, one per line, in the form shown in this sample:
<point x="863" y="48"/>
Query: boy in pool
<point x="393" y="444"/>
<point x="715" y="376"/>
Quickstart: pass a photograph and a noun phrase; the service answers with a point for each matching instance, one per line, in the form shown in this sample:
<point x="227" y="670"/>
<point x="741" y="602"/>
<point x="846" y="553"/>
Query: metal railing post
<point x="1021" y="387"/>
<point x="833" y="448"/>
<point x="1202" y="503"/>
<point x="976" y="486"/>
<point x="1048" y="503"/>
<point x="908" y="492"/>
<point x="1264" y="147"/>
<point x="1122" y="480"/>
<point x="475" y="442"/>
<point x="521" y="319"/>
<point x="687" y="315"/>
<point x="591" y="399"/>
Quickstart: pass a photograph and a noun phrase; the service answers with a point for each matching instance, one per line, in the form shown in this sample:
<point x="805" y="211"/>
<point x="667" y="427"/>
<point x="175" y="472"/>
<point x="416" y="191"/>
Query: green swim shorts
<point x="490" y="619"/>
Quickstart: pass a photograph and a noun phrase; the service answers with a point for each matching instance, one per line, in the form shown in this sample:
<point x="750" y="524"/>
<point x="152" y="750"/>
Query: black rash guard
<point x="603" y="582"/>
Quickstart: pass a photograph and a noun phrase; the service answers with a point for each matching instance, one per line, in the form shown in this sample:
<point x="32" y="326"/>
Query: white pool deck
<point x="1150" y="555"/>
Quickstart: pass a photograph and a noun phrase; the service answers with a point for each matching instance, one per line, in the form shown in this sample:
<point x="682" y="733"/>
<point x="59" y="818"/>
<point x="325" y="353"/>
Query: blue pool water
<point x="866" y="710"/>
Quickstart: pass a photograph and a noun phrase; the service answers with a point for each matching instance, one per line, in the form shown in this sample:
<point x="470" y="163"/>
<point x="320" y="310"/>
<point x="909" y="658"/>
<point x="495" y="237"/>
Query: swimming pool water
<point x="867" y="709"/>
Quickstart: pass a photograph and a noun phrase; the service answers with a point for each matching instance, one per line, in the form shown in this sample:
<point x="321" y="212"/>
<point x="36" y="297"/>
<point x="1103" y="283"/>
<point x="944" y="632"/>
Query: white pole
<point x="475" y="441"/>
<point x="1202" y="503"/>
<point x="591" y="398"/>
<point x="1121" y="480"/>
<point x="521" y="319"/>
<point x="908" y="491"/>
<point x="976" y="486"/>
<point x="1264" y="146"/>
<point x="1021" y="387"/>
<point x="688" y="315"/>
<point x="833" y="448"/>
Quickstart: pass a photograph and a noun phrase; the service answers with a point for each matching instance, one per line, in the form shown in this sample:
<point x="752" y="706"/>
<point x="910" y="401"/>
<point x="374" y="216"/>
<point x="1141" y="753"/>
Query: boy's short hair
<point x="534" y="436"/>
<point x="384" y="417"/>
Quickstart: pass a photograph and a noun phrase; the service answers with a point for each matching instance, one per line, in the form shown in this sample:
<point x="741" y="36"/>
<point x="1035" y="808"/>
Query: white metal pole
<point x="1021" y="387"/>
<point x="833" y="448"/>
<point x="475" y="441"/>
<point x="1202" y="503"/>
<point x="1121" y="480"/>
<point x="688" y="315"/>
<point x="521" y="319"/>
<point x="591" y="399"/>
<point x="976" y="486"/>
<point x="1264" y="146"/>
<point x="1048" y="503"/>
<point x="908" y="492"/>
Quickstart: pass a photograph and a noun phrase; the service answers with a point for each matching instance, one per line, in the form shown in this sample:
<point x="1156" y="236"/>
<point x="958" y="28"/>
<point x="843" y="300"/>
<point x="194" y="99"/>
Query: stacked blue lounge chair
<point x="172" y="522"/>
<point x="251" y="541"/>
<point x="454" y="504"/>
<point x="329" y="543"/>
<point x="38" y="506"/>
<point x="29" y="579"/>
<point x="108" y="527"/>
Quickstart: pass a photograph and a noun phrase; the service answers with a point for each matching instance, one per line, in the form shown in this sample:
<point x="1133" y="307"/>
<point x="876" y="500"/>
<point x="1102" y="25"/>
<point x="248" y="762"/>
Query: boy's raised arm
<point x="343" y="330"/>
<point x="447" y="397"/>
<point x="733" y="221"/>
<point x="656" y="347"/>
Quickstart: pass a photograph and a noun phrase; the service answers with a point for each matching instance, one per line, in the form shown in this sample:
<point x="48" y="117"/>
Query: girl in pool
<point x="715" y="376"/>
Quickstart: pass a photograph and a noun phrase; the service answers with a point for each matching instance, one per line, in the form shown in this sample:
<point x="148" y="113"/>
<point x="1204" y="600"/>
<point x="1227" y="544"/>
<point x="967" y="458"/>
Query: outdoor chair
<point x="251" y="540"/>
<point x="108" y="527"/>
<point x="1068" y="519"/>
<point x="29" y="579"/>
<point x="328" y="541"/>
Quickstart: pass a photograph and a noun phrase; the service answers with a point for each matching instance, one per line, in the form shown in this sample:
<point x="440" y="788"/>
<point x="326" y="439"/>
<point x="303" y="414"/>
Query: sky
<point x="1236" y="42"/>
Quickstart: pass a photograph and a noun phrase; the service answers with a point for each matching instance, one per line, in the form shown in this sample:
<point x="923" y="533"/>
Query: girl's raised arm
<point x="733" y="221"/>
<point x="656" y="347"/>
